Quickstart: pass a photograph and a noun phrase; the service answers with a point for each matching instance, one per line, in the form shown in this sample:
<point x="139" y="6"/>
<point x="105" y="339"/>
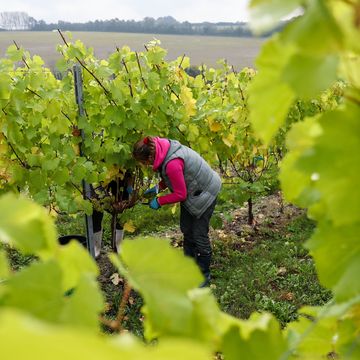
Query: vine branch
<point x="141" y="75"/>
<point x="182" y="59"/>
<point x="23" y="58"/>
<point x="23" y="163"/>
<point x="116" y="324"/>
<point x="106" y="91"/>
<point x="129" y="82"/>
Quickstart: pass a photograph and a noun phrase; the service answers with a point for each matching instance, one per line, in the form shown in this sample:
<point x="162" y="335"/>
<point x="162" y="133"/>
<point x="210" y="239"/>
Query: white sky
<point x="85" y="10"/>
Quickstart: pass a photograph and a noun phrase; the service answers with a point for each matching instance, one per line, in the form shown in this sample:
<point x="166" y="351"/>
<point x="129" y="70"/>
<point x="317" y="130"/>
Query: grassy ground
<point x="261" y="268"/>
<point x="269" y="271"/>
<point x="239" y="52"/>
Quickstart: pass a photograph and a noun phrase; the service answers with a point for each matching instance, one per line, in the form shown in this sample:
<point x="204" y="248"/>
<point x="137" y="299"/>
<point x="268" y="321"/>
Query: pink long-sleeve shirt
<point x="174" y="170"/>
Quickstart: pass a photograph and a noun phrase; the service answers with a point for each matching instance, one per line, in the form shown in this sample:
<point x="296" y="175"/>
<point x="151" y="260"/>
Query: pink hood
<point x="162" y="147"/>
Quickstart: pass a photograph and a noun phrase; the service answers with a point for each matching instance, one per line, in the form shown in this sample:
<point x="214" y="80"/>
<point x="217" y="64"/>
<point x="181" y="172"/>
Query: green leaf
<point x="270" y="115"/>
<point x="155" y="55"/>
<point x="216" y="222"/>
<point x="37" y="290"/>
<point x="4" y="266"/>
<point x="338" y="143"/>
<point x="337" y="269"/>
<point x="259" y="338"/>
<point x="118" y="89"/>
<point x="5" y="89"/>
<point x="79" y="172"/>
<point x="50" y="164"/>
<point x="59" y="125"/>
<point x="148" y="270"/>
<point x="163" y="275"/>
<point x="26" y="226"/>
<point x="61" y="176"/>
<point x="316" y="32"/>
<point x="78" y="311"/>
<point x="153" y="81"/>
<point x="62" y="65"/>
<point x="14" y="54"/>
<point x="293" y="180"/>
<point x="265" y="14"/>
<point x="41" y="197"/>
<point x="207" y="317"/>
<point x="74" y="51"/>
<point x="115" y="61"/>
<point x="53" y="109"/>
<point x="84" y="205"/>
<point x="330" y="192"/>
<point x="4" y="272"/>
<point x="308" y="75"/>
<point x="321" y="334"/>
<point x="75" y="262"/>
<point x="39" y="340"/>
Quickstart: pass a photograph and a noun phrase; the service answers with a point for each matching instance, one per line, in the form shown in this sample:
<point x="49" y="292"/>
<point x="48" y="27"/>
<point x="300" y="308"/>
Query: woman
<point x="192" y="183"/>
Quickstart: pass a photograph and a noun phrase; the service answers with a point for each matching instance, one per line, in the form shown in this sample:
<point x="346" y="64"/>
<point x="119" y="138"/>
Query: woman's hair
<point x="144" y="150"/>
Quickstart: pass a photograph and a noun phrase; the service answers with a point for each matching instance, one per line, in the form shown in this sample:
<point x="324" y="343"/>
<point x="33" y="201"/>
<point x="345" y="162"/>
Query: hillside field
<point x="239" y="52"/>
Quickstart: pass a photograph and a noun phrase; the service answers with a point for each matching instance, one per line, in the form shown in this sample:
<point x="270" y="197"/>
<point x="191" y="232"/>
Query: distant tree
<point x="16" y="20"/>
<point x="166" y="21"/>
<point x="161" y="25"/>
<point x="148" y="24"/>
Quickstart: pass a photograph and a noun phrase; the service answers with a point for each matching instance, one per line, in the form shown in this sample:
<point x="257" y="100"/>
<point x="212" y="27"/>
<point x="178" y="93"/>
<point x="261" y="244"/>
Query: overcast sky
<point x="85" y="10"/>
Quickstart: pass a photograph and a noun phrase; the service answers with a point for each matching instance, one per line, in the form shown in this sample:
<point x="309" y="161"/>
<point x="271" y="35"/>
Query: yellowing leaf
<point x="129" y="226"/>
<point x="182" y="127"/>
<point x="179" y="73"/>
<point x="3" y="148"/>
<point x="111" y="174"/>
<point x="53" y="213"/>
<point x="4" y="174"/>
<point x="214" y="125"/>
<point x="173" y="209"/>
<point x="76" y="149"/>
<point x="184" y="61"/>
<point x="193" y="132"/>
<point x="188" y="101"/>
<point x="204" y="144"/>
<point x="229" y="140"/>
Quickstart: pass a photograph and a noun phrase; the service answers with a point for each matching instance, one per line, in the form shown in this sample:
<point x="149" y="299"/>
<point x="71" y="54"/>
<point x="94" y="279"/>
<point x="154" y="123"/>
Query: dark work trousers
<point x="97" y="216"/>
<point x="196" y="237"/>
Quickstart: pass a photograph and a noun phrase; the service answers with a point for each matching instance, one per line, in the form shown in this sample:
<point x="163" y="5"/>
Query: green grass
<point x="71" y="225"/>
<point x="16" y="260"/>
<point x="272" y="273"/>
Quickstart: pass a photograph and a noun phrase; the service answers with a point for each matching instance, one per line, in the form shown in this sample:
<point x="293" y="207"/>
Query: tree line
<point x="161" y="25"/>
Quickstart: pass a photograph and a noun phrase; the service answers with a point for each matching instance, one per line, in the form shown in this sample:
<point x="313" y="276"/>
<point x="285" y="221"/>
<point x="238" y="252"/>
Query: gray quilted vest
<point x="202" y="183"/>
